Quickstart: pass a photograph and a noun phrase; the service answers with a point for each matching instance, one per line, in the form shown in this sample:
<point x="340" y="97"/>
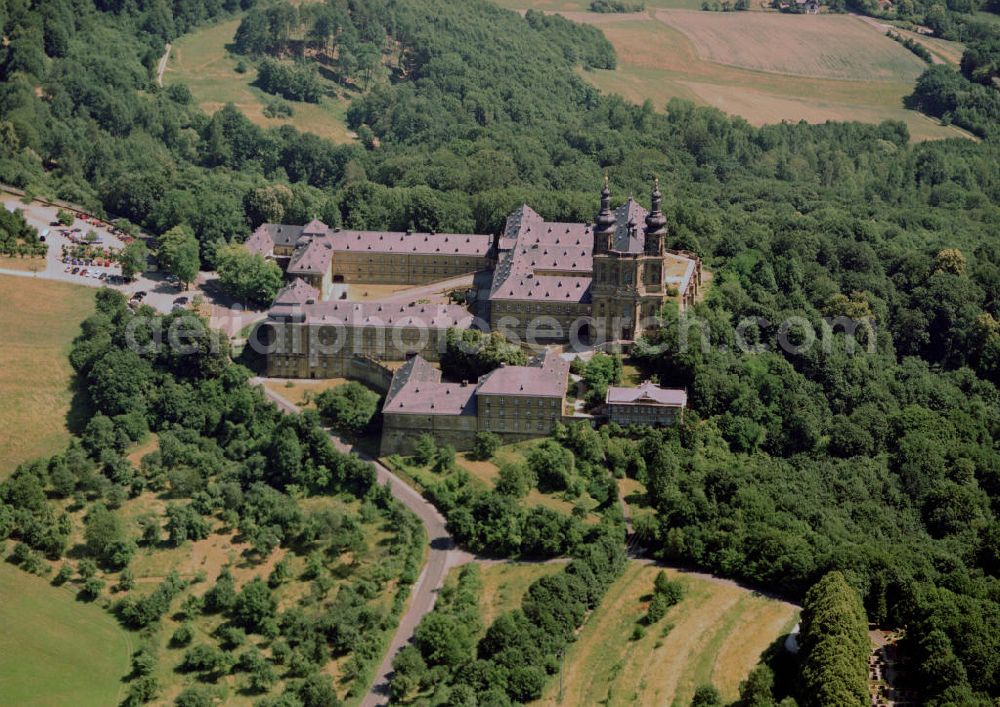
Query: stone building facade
<point x="322" y="256"/>
<point x="515" y="402"/>
<point x="648" y="404"/>
<point x="605" y="281"/>
<point x="306" y="337"/>
<point x="550" y="282"/>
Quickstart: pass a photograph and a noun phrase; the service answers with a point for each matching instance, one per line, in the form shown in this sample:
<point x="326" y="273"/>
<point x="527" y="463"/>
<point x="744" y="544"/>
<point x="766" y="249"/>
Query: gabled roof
<point x="282" y="234"/>
<point x="260" y="242"/>
<point x="312" y="256"/>
<point x="544" y="376"/>
<point x="298" y="292"/>
<point x="647" y="394"/>
<point x="531" y="246"/>
<point x="416" y="389"/>
<point x="315" y="228"/>
<point x="471" y="244"/>
<point x="378" y="314"/>
<point x="630" y="222"/>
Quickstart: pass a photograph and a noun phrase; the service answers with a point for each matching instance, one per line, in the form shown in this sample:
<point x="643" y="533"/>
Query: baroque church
<point x="547" y="282"/>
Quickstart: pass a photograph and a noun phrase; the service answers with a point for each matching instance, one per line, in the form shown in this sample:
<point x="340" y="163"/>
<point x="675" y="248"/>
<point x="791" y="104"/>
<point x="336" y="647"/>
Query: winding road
<point x="442" y="555"/>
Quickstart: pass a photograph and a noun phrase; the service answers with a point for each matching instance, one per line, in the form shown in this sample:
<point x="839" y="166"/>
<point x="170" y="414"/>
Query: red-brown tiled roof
<point x="545" y="376"/>
<point x="647" y="394"/>
<point x="417" y="389"/>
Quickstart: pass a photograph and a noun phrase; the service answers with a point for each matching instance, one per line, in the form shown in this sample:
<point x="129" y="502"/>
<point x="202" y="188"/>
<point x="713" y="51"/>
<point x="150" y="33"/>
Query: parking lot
<point x="94" y="271"/>
<point x="155" y="289"/>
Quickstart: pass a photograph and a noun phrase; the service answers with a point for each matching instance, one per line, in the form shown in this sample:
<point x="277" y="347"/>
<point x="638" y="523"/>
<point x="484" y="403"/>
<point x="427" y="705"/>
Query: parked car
<point x="76" y="270"/>
<point x="83" y="273"/>
<point x="181" y="300"/>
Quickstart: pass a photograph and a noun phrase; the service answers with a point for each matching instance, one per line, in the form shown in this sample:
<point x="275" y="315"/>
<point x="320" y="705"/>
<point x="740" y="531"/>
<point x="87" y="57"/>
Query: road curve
<point x="442" y="555"/>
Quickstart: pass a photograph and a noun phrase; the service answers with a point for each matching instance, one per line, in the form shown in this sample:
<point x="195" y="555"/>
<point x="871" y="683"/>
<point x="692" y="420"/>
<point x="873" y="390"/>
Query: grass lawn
<point x="299" y="388"/>
<point x="201" y="61"/>
<point x="487" y="472"/>
<point x="56" y="650"/>
<point x="22" y="264"/>
<point x="716" y="634"/>
<point x="631" y="376"/>
<point x="39" y="319"/>
<point x="505" y="584"/>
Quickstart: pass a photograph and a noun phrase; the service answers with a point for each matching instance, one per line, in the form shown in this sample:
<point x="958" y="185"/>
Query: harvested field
<point x="813" y="46"/>
<point x="716" y="634"/>
<point x="658" y="61"/>
<point x="39" y="319"/>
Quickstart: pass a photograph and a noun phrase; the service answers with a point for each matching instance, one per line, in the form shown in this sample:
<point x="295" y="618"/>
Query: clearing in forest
<point x="39" y="319"/>
<point x="56" y="650"/>
<point x="201" y="61"/>
<point x="297" y="391"/>
<point x="716" y="635"/>
<point x="504" y="585"/>
<point x="814" y="46"/>
<point x="766" y="67"/>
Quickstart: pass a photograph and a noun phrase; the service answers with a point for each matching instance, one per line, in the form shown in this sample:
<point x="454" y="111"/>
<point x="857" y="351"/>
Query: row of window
<point x="515" y="425"/>
<point x="518" y="401"/>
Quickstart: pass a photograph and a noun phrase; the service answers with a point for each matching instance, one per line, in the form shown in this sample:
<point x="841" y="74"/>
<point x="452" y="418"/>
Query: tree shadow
<point x="81" y="407"/>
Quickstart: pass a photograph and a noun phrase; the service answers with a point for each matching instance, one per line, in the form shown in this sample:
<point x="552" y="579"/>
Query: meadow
<point x="813" y="46"/>
<point x="302" y="392"/>
<point x="504" y="585"/>
<point x="716" y="635"/>
<point x="201" y="61"/>
<point x="39" y="319"/>
<point x="766" y="67"/>
<point x="57" y="651"/>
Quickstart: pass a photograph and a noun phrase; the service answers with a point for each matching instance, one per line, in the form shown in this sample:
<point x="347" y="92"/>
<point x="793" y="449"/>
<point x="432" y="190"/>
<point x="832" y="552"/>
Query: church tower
<point x="604" y="224"/>
<point x="656" y="224"/>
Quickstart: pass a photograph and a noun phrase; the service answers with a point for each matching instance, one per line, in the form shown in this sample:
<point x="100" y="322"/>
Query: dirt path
<point x="887" y="28"/>
<point x="442" y="555"/>
<point x="162" y="66"/>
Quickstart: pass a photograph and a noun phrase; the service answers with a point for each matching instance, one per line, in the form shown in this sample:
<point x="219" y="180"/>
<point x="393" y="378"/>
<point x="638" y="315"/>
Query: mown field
<point x="39" y="319"/>
<point x="302" y="392"/>
<point x="716" y="635"/>
<point x="583" y="5"/>
<point x="55" y="650"/>
<point x="201" y="61"/>
<point x="504" y="585"/>
<point x="814" y="46"/>
<point x="764" y="66"/>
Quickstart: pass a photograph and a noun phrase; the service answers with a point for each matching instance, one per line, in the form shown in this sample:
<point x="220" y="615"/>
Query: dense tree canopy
<point x="881" y="465"/>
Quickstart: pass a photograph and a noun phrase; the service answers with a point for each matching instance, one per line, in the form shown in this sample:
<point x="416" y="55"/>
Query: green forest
<point x="882" y="466"/>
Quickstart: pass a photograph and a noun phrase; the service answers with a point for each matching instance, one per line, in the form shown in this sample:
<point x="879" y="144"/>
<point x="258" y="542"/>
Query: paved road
<point x="442" y="555"/>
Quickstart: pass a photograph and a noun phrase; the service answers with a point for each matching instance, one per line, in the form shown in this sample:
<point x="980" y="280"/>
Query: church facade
<point x="549" y="282"/>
